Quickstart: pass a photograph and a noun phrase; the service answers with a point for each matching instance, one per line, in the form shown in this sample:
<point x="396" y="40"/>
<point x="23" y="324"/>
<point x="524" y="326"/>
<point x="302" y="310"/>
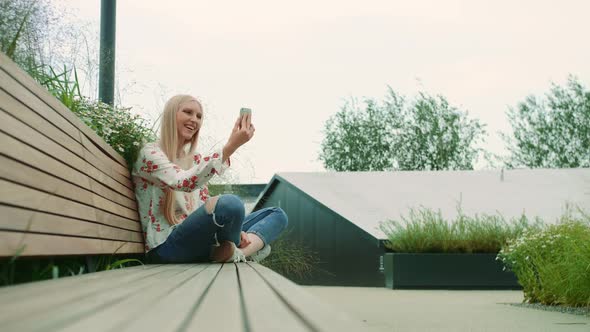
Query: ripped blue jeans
<point x="192" y="240"/>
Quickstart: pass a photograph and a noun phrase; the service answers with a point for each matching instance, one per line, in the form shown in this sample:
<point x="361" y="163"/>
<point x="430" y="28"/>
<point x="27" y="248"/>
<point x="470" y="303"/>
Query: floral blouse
<point x="153" y="172"/>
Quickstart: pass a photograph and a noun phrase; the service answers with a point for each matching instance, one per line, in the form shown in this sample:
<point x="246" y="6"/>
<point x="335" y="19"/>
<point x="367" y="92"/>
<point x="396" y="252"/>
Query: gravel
<point x="582" y="311"/>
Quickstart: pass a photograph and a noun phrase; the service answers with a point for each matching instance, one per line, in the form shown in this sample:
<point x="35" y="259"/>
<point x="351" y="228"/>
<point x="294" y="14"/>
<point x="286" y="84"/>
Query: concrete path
<point x="383" y="309"/>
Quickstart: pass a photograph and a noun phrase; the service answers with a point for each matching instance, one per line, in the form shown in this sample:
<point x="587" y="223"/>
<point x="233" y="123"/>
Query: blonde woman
<point x="181" y="222"/>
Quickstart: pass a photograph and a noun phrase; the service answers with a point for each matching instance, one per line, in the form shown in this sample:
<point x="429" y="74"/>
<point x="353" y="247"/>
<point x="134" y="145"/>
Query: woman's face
<point x="188" y="120"/>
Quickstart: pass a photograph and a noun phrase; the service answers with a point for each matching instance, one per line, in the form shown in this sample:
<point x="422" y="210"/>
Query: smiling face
<point x="188" y="120"/>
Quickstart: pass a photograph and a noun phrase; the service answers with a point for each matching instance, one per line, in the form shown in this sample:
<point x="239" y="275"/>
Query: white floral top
<point x="153" y="171"/>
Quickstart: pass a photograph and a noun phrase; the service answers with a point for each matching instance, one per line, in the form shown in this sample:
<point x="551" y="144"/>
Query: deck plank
<point x="317" y="315"/>
<point x="132" y="306"/>
<point x="265" y="310"/>
<point x="52" y="312"/>
<point x="178" y="306"/>
<point x="54" y="293"/>
<point x="24" y="292"/>
<point x="221" y="307"/>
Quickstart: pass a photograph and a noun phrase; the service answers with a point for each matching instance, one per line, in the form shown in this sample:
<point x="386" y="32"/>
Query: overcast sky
<point x="294" y="63"/>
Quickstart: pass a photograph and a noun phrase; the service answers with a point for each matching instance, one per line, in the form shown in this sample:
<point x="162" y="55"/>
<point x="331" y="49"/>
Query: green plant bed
<point x="432" y="252"/>
<point x="446" y="271"/>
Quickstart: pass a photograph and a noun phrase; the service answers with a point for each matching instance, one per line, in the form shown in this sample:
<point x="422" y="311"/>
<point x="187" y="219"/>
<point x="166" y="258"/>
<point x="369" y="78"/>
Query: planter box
<point x="461" y="271"/>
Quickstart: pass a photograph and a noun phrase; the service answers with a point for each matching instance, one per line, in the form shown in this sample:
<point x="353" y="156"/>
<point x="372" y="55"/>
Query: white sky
<point x="294" y="63"/>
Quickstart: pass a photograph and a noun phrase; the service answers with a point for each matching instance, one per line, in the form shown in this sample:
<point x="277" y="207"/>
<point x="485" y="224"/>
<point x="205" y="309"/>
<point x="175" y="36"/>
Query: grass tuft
<point x="426" y="231"/>
<point x="291" y="259"/>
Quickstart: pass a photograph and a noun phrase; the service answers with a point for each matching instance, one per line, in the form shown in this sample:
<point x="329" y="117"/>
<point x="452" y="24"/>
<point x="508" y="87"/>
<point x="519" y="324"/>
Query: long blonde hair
<point x="169" y="145"/>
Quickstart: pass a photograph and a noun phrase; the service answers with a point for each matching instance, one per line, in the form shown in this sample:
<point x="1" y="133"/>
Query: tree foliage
<point x="551" y="132"/>
<point x="24" y="29"/>
<point x="356" y="139"/>
<point x="426" y="133"/>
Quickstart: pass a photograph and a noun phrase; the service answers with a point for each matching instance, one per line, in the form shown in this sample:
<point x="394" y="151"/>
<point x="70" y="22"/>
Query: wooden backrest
<point x="63" y="190"/>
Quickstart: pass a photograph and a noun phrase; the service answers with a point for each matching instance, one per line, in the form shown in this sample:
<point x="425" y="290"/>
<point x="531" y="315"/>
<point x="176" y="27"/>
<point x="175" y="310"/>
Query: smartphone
<point x="245" y="110"/>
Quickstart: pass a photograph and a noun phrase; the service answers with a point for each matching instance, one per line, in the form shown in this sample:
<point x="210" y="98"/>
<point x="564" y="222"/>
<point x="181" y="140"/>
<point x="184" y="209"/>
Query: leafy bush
<point x="553" y="264"/>
<point x="426" y="231"/>
<point x="123" y="131"/>
<point x="118" y="127"/>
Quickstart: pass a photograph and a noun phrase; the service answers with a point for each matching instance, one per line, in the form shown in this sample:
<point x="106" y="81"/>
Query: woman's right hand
<point x="242" y="132"/>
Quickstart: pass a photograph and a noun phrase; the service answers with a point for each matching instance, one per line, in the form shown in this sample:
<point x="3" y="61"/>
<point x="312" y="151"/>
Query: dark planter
<point x="460" y="271"/>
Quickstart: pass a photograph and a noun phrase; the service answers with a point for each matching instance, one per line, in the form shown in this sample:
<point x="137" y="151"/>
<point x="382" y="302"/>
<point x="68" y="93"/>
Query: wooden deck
<point x="65" y="192"/>
<point x="184" y="297"/>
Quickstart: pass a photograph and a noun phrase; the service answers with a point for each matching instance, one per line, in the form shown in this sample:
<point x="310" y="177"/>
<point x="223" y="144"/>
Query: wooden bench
<point x="65" y="192"/>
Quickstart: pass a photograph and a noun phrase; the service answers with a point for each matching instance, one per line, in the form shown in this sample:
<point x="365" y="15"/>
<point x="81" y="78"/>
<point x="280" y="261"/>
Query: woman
<point x="181" y="222"/>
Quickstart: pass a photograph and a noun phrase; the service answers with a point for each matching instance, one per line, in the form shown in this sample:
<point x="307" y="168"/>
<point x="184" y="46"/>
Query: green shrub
<point x="118" y="127"/>
<point x="426" y="231"/>
<point x="553" y="264"/>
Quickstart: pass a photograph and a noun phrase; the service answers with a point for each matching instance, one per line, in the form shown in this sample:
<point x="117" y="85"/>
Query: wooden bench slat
<point x="178" y="306"/>
<point x="52" y="311"/>
<point x="317" y="315"/>
<point x="34" y="139"/>
<point x="17" y="150"/>
<point x="23" y="174"/>
<point x="133" y="306"/>
<point x="260" y="300"/>
<point x="13" y="88"/>
<point x="15" y="108"/>
<point x="24" y="197"/>
<point x="52" y="245"/>
<point x="92" y="151"/>
<point x="223" y="301"/>
<point x="22" y="220"/>
<point x="42" y="94"/>
<point x="104" y="191"/>
<point x="79" y="147"/>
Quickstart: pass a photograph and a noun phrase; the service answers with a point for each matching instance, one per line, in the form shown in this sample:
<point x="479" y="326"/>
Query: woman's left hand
<point x="244" y="240"/>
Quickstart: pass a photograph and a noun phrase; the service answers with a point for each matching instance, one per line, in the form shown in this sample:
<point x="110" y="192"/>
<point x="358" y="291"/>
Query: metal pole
<point x="106" y="81"/>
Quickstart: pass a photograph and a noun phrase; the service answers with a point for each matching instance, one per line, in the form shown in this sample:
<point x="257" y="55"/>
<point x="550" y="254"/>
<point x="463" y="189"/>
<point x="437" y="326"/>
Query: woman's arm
<point x="156" y="168"/>
<point x="159" y="170"/>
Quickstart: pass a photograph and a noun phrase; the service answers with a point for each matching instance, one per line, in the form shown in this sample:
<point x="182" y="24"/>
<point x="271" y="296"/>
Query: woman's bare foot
<point x="255" y="245"/>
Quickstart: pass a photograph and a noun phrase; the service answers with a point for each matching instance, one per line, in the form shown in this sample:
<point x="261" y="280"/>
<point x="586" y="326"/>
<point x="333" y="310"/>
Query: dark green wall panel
<point x="348" y="256"/>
